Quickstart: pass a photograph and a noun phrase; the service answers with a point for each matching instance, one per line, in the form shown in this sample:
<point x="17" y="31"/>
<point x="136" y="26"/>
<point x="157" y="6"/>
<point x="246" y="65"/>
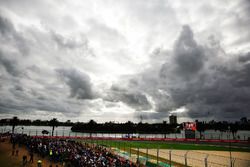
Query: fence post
<point x="130" y="150"/>
<point x="206" y="163"/>
<point x="29" y="132"/>
<point x="118" y="143"/>
<point x="170" y="161"/>
<point x="137" y="159"/>
<point x="186" y="158"/>
<point x="36" y="132"/>
<point x="147" y="153"/>
<point x="157" y="156"/>
<point x="138" y="153"/>
<point x="234" y="159"/>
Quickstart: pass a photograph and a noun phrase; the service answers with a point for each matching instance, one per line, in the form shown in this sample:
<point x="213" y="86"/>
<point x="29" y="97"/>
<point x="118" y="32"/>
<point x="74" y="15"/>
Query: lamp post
<point x="230" y="152"/>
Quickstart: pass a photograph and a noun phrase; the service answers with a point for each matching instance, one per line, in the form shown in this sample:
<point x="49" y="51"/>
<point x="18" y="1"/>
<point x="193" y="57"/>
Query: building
<point x="173" y="119"/>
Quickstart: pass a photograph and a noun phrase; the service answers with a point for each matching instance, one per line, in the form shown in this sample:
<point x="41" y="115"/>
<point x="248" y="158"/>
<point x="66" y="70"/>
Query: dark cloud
<point x="196" y="77"/>
<point x="134" y="99"/>
<point x="6" y="28"/>
<point x="9" y="65"/>
<point x="22" y="102"/>
<point x="188" y="55"/>
<point x="79" y="83"/>
<point x="240" y="77"/>
<point x="245" y="58"/>
<point x="32" y="91"/>
<point x="10" y="36"/>
<point x="217" y="91"/>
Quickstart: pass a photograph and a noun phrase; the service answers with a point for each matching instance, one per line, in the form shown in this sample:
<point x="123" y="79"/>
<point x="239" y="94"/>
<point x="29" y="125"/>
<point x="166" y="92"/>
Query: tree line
<point x="38" y="122"/>
<point x="15" y="121"/>
<point x="224" y="126"/>
<point x="130" y="127"/>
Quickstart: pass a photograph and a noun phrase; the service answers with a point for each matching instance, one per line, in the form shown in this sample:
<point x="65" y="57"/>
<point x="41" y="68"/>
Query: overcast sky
<point x="120" y="60"/>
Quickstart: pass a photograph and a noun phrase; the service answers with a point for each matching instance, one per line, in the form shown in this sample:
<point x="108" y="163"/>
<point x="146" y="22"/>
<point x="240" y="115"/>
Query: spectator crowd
<point x="70" y="152"/>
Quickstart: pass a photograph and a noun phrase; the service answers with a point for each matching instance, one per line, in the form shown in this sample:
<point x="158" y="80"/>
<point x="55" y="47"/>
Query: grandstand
<point x="70" y="152"/>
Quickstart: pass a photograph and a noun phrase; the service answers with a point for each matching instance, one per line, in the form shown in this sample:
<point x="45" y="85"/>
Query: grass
<point x="164" y="145"/>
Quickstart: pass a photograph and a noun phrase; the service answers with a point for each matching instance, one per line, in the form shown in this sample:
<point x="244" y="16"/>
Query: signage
<point x="189" y="126"/>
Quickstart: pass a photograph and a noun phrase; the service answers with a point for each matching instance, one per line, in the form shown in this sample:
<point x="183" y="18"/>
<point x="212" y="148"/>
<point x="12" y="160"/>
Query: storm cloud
<point x="9" y="34"/>
<point x="188" y="55"/>
<point x="8" y="64"/>
<point x="218" y="90"/>
<point x="135" y="99"/>
<point x="79" y="83"/>
<point x="123" y="61"/>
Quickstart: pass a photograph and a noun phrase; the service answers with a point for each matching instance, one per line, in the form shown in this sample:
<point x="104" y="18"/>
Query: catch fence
<point x="171" y="158"/>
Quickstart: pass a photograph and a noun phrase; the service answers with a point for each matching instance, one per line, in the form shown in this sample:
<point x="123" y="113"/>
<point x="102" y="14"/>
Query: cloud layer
<point x="125" y="61"/>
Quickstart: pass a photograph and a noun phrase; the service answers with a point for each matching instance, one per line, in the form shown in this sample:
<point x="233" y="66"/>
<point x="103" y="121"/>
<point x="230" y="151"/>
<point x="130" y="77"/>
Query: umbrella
<point x="45" y="132"/>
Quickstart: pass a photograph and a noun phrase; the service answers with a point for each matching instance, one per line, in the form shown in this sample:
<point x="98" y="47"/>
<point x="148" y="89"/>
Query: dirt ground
<point x="196" y="158"/>
<point x="7" y="160"/>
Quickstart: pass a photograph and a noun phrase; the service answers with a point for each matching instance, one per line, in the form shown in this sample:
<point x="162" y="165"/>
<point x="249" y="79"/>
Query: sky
<point x="120" y="60"/>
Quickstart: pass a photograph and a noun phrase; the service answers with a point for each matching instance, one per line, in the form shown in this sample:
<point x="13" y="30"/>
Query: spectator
<point x="31" y="157"/>
<point x="17" y="151"/>
<point x="24" y="160"/>
<point x="39" y="163"/>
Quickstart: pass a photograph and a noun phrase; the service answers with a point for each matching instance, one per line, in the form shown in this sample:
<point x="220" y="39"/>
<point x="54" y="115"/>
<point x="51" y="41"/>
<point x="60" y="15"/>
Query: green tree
<point x="54" y="123"/>
<point x="200" y="126"/>
<point x="14" y="122"/>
